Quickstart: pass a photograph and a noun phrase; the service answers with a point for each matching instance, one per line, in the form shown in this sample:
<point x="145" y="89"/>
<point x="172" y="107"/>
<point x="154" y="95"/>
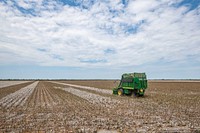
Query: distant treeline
<point x="90" y="79"/>
<point x="55" y="79"/>
<point x="174" y="79"/>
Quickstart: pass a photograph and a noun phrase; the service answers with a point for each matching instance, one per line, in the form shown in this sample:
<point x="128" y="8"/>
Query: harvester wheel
<point x="141" y="95"/>
<point x="120" y="92"/>
<point x="135" y="92"/>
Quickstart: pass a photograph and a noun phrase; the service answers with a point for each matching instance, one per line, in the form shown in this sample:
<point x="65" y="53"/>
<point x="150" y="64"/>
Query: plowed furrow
<point x="38" y="96"/>
<point x="59" y="96"/>
<point x="31" y="102"/>
<point x="54" y="95"/>
<point x="35" y="98"/>
<point x="46" y="96"/>
<point x="43" y="97"/>
<point x="49" y="99"/>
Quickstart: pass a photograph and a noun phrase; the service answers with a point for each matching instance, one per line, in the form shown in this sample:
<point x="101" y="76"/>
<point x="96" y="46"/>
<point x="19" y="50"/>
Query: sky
<point x="99" y="39"/>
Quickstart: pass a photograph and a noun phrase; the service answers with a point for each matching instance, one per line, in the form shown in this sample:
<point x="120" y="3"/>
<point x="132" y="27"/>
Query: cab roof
<point x="134" y="75"/>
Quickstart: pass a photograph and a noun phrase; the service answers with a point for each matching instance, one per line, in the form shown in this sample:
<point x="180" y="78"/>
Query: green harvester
<point x="132" y="84"/>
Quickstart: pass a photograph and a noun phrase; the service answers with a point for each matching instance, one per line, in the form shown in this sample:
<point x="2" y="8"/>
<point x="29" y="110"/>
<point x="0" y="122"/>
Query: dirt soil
<point x="89" y="106"/>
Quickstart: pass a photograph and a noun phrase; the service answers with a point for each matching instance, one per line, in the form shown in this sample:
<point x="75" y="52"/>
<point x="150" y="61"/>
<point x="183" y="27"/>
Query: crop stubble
<point x="11" y="83"/>
<point x="58" y="107"/>
<point x="11" y="89"/>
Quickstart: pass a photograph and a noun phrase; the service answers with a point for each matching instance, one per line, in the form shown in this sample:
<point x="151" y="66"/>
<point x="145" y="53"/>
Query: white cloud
<point x="24" y="4"/>
<point x="139" y="6"/>
<point x="72" y="36"/>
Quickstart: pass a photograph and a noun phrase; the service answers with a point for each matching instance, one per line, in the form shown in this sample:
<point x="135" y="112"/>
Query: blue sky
<point x="99" y="39"/>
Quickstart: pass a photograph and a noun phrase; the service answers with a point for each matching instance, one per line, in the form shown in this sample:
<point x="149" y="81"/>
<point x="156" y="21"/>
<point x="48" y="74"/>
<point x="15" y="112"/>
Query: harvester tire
<point x="120" y="92"/>
<point x="135" y="93"/>
<point x="141" y="95"/>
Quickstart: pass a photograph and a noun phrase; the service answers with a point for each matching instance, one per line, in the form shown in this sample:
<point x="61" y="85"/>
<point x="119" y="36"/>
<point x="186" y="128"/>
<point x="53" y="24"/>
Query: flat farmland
<point x="89" y="106"/>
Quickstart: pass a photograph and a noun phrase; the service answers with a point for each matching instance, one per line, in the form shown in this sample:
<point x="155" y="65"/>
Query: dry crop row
<point x="47" y="109"/>
<point x="10" y="83"/>
<point x="42" y="97"/>
<point x="55" y="107"/>
<point x="19" y="97"/>
<point x="90" y="97"/>
<point x="104" y="84"/>
<point x="11" y="89"/>
<point x="87" y="88"/>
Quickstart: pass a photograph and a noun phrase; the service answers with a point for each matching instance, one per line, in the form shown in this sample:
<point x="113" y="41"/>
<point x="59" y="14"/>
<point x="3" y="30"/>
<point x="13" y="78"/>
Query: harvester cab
<point x="132" y="83"/>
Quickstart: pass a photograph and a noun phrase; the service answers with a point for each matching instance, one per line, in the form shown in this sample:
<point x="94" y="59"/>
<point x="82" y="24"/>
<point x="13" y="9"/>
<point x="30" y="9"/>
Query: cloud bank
<point x="96" y="33"/>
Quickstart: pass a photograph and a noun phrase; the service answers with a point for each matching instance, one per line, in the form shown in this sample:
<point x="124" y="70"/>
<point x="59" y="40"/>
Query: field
<point x="89" y="106"/>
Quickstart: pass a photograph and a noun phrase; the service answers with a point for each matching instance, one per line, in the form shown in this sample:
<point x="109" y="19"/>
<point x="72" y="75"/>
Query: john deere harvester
<point x="132" y="83"/>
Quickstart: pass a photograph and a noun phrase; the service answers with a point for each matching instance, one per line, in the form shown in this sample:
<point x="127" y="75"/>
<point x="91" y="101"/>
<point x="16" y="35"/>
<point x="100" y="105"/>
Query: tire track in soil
<point x="19" y="97"/>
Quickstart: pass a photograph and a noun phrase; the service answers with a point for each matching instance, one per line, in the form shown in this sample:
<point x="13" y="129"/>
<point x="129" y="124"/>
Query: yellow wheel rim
<point x="119" y="93"/>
